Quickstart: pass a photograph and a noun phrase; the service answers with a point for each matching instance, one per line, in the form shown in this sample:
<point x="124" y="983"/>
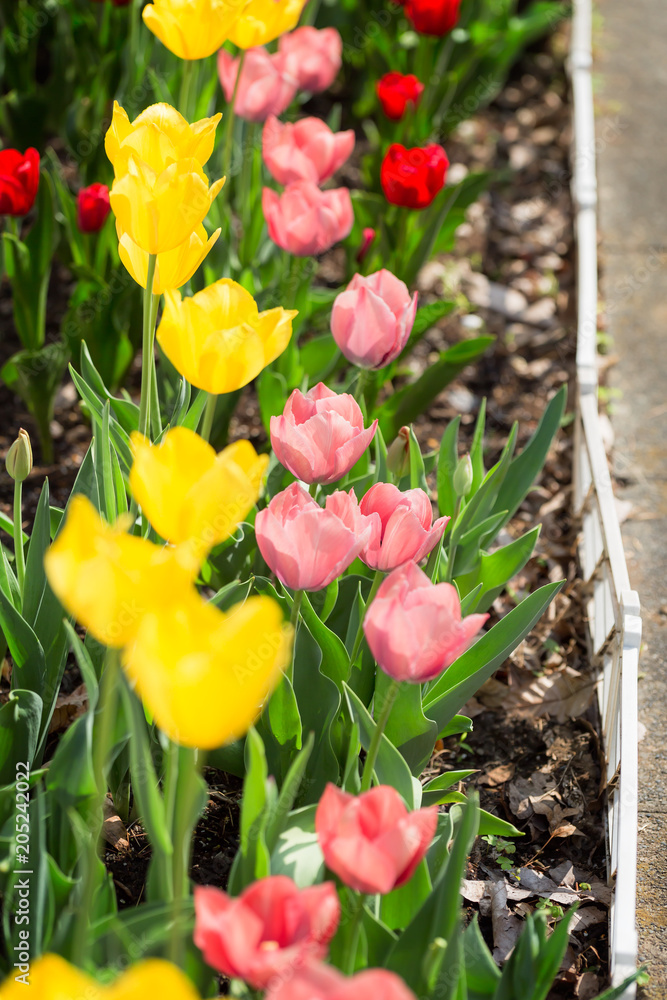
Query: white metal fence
<point x="613" y="608"/>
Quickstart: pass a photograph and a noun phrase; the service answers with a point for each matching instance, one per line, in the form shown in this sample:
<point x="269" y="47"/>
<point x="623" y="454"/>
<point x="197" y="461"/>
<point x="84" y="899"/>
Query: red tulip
<point x="320" y="435"/>
<point x="372" y="319"/>
<point x="270" y="929"/>
<point x="395" y="91"/>
<point x="308" y="546"/>
<point x="433" y="17"/>
<point x="407" y="606"/>
<point x="19" y="180"/>
<point x="322" y="982"/>
<point x="92" y="208"/>
<point x="371" y="841"/>
<point x="408" y="532"/>
<point x="413" y="177"/>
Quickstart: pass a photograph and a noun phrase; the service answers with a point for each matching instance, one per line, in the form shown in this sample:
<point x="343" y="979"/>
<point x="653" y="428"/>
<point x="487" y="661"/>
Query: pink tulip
<point x="321" y="435"/>
<point x="308" y="546"/>
<point x="323" y="982"/>
<point x="367" y="238"/>
<point x="372" y="319"/>
<point x="314" y="56"/>
<point x="265" y="88"/>
<point x="271" y="928"/>
<point x="414" y="628"/>
<point x="306" y="221"/>
<point x="371" y="841"/>
<point x="408" y="533"/>
<point x="305" y="151"/>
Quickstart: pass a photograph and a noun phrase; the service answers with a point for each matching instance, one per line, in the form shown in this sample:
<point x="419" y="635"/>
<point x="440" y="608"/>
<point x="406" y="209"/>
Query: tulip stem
<point x="380" y="726"/>
<point x="294" y="622"/>
<point x="147" y="349"/>
<point x="451" y="555"/>
<point x="102" y="739"/>
<point x="377" y="580"/>
<point x="183" y="819"/>
<point x="353" y="940"/>
<point x="186" y="86"/>
<point x="19" y="554"/>
<point x="209" y="414"/>
<point x="361" y="385"/>
<point x="229" y="129"/>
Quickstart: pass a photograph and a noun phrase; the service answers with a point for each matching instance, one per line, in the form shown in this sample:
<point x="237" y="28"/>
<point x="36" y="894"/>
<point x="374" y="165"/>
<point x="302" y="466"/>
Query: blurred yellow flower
<point x="52" y="978"/>
<point x="218" y="339"/>
<point x="204" y="674"/>
<point x="159" y="136"/>
<point x="173" y="267"/>
<point x="190" y="494"/>
<point x="192" y="29"/>
<point x="160" y="211"/>
<point x="108" y="579"/>
<point x="263" y="20"/>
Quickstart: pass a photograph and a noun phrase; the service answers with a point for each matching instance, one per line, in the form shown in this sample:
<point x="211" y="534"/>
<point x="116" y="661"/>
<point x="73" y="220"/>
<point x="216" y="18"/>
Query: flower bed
<point x="261" y="611"/>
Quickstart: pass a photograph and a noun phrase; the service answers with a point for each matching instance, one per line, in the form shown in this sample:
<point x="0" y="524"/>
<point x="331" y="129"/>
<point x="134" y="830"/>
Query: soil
<point x="519" y="237"/>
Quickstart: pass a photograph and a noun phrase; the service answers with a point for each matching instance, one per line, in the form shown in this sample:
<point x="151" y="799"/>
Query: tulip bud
<point x="463" y="477"/>
<point x="398" y="453"/>
<point x="368" y="236"/>
<point x="19" y="457"/>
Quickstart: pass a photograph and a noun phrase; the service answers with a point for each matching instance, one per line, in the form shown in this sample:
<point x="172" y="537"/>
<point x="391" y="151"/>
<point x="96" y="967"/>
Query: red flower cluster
<point x="19" y="180"/>
<point x="413" y="177"/>
<point x="92" y="208"/>
<point x="395" y="91"/>
<point x="433" y="17"/>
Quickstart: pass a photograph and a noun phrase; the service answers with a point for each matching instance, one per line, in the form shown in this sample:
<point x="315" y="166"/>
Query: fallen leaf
<point x="113" y="828"/>
<point x="562" y="694"/>
<point x="68" y="708"/>
<point x="497" y="775"/>
<point x="506" y="926"/>
<point x="587" y="986"/>
<point x="563" y="874"/>
<point x="588" y="917"/>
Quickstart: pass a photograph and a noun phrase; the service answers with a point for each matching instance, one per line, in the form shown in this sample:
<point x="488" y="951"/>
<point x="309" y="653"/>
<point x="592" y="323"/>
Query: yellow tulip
<point x="264" y="20"/>
<point x="218" y="339"/>
<point x="190" y="494"/>
<point x="203" y="674"/>
<point x="159" y="211"/>
<point x="192" y="29"/>
<point x="52" y="978"/>
<point x="173" y="267"/>
<point x="108" y="579"/>
<point x="159" y="136"/>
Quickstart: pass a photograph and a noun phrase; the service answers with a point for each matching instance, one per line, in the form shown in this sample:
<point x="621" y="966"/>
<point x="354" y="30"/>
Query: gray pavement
<point x="631" y="108"/>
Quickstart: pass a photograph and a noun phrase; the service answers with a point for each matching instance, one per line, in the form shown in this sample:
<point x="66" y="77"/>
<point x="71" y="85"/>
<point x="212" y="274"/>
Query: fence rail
<point x="613" y="608"/>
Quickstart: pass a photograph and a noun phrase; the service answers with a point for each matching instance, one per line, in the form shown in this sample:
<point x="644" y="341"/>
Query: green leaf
<point x="447" y="462"/>
<point x="434" y="790"/>
<point x="494" y="825"/>
<point x="298" y="854"/>
<point x="289" y="793"/>
<point x="482" y="973"/>
<point x="459" y="724"/>
<point x="26" y="649"/>
<point x="398" y="907"/>
<point x="439" y="915"/>
<point x="526" y="467"/>
<point x="35" y="577"/>
<point x="417" y="471"/>
<point x="406" y="404"/>
<point x="35" y="376"/>
<point x="407" y="718"/>
<point x="20" y="719"/>
<point x="335" y="659"/>
<point x="480" y="506"/>
<point x="497" y="568"/>
<point x="390" y="767"/>
<point x="283" y="715"/>
<point x="477" y="449"/>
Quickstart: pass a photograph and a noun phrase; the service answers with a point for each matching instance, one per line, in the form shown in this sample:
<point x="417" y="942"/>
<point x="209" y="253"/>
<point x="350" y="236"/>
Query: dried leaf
<point x="506" y="926"/>
<point x="497" y="775"/>
<point x="68" y="708"/>
<point x="113" y="828"/>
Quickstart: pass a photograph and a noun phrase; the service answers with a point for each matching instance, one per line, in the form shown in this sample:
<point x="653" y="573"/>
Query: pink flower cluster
<point x="307" y="59"/>
<point x="319" y="437"/>
<point x="275" y="935"/>
<point x="303" y="220"/>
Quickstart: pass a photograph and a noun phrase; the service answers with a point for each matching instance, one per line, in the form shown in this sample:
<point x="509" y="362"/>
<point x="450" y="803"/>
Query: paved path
<point x="631" y="96"/>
